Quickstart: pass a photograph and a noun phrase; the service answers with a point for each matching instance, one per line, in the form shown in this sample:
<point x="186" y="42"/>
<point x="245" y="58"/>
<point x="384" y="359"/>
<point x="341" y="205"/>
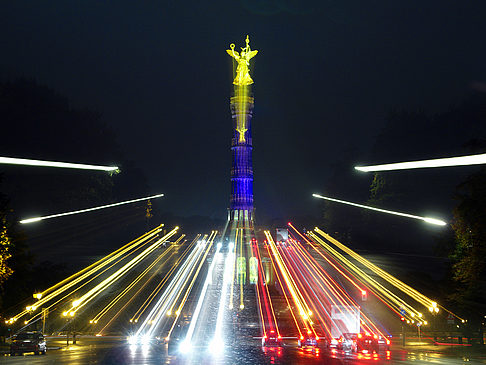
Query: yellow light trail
<point x="294" y="291"/>
<point x="419" y="297"/>
<point x="159" y="310"/>
<point x="435" y="221"/>
<point x="387" y="295"/>
<point x="137" y="293"/>
<point x="289" y="306"/>
<point x="66" y="165"/>
<point x="209" y="242"/>
<point x="37" y="219"/>
<point x="71" y="293"/>
<point x="90" y="295"/>
<point x="74" y="279"/>
<point x="184" y="299"/>
<point x="154" y="293"/>
<point x="437" y="162"/>
<point x="120" y="295"/>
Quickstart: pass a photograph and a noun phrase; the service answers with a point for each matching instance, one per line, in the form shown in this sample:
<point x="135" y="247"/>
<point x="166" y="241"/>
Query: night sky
<point x="326" y="75"/>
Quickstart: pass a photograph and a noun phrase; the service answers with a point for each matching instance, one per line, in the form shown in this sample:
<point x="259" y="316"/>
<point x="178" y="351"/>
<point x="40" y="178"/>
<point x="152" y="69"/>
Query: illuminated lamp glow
<point x="36" y="219"/>
<point x="425" y="219"/>
<point x="438" y="162"/>
<point x="66" y="165"/>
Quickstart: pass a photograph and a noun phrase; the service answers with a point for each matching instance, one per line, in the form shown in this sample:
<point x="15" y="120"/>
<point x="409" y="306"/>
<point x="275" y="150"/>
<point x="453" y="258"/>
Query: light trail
<point x="416" y="295"/>
<point x="186" y="344"/>
<point x="217" y="344"/>
<point x="115" y="300"/>
<point x="135" y="295"/>
<point x="421" y="164"/>
<point x="170" y="294"/>
<point x="297" y="297"/>
<point x="159" y="287"/>
<point x="283" y="291"/>
<point x="37" y="219"/>
<point x="90" y="295"/>
<point x="435" y="221"/>
<point x="195" y="276"/>
<point x="59" y="288"/>
<point x="65" y="165"/>
<point x="392" y="298"/>
<point x="262" y="286"/>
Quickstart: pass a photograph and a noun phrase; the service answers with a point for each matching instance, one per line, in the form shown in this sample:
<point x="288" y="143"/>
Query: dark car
<point x="358" y="342"/>
<point x="308" y="339"/>
<point x="28" y="342"/>
<point x="272" y="340"/>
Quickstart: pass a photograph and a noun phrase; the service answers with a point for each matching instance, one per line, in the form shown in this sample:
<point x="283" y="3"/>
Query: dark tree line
<point x="39" y="123"/>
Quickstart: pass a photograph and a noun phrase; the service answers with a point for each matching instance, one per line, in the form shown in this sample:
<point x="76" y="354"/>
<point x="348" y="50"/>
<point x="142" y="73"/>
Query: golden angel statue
<point x="242" y="72"/>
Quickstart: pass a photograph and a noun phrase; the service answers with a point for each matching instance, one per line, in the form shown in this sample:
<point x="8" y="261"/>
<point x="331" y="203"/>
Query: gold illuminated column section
<point x="241" y="209"/>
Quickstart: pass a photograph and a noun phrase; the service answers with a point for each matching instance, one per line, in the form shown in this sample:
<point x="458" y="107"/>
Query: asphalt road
<point x="116" y="351"/>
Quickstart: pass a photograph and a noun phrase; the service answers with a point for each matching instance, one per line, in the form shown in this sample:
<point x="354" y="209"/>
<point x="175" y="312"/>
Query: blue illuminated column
<point x="241" y="202"/>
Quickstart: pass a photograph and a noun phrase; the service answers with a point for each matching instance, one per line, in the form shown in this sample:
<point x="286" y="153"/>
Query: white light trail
<point x="65" y="165"/>
<point x="438" y="162"/>
<point x="37" y="219"/>
<point x="217" y="344"/>
<point x="425" y="219"/>
<point x="186" y="344"/>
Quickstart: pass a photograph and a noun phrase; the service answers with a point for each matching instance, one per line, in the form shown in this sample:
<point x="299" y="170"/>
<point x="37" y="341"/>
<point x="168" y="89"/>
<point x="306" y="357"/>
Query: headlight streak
<point x="419" y="297"/>
<point x="437" y="162"/>
<point x="241" y="279"/>
<point x="390" y="297"/>
<point x="217" y="343"/>
<point x="90" y="295"/>
<point x="159" y="287"/>
<point x="156" y="271"/>
<point x="65" y="165"/>
<point x="76" y="278"/>
<point x="115" y="300"/>
<point x="190" y="332"/>
<point x="416" y="295"/>
<point x="437" y="222"/>
<point x="196" y="275"/>
<point x="37" y="219"/>
<point x="159" y="310"/>
<point x="209" y="244"/>
<point x="230" y="304"/>
<point x="342" y="298"/>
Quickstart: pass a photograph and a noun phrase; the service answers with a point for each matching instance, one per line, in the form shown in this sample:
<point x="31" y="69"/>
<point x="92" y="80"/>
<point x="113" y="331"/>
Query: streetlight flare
<point x="37" y="219"/>
<point x="435" y="221"/>
<point x="438" y="162"/>
<point x="66" y="165"/>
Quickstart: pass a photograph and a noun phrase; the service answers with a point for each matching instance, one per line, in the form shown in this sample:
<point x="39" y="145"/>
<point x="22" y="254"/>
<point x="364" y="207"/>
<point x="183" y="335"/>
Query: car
<point x="308" y="339"/>
<point x="383" y="343"/>
<point x="347" y="342"/>
<point x="272" y="339"/>
<point x="28" y="342"/>
<point x="365" y="343"/>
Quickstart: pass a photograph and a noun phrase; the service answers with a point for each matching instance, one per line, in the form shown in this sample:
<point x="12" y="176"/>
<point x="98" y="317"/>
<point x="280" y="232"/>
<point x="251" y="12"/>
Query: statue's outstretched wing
<point x="233" y="53"/>
<point x="251" y="54"/>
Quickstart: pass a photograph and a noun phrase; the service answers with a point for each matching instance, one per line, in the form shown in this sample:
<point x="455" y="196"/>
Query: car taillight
<point x="317" y="338"/>
<point x="279" y="337"/>
<point x="301" y="337"/>
<point x="387" y="342"/>
<point x="360" y="335"/>
<point x="376" y="337"/>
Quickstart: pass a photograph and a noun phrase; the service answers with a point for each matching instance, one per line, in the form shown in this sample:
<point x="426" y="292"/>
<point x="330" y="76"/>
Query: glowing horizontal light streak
<point x="65" y="165"/>
<point x="425" y="219"/>
<point x="37" y="219"/>
<point x="422" y="164"/>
